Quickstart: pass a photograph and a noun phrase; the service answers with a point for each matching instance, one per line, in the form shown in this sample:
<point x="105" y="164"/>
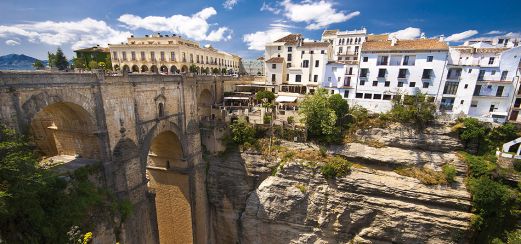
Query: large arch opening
<point x="144" y="68"/>
<point x="170" y="188"/>
<point x="174" y="70"/>
<point x="126" y="68"/>
<point x="164" y="69"/>
<point x="153" y="69"/>
<point x="65" y="129"/>
<point x="204" y="105"/>
<point x="184" y="69"/>
<point x="135" y="68"/>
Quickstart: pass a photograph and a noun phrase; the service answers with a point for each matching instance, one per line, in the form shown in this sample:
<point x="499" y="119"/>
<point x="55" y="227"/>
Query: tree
<point x="102" y="65"/>
<point x="60" y="60"/>
<point x="267" y="96"/>
<point x="418" y="110"/>
<point x="93" y="65"/>
<point x="192" y="68"/>
<point x="242" y="132"/>
<point x="78" y="63"/>
<point x="339" y="105"/>
<point x="51" y="59"/>
<point x="38" y="65"/>
<point x="223" y="71"/>
<point x="473" y="133"/>
<point x="215" y="71"/>
<point x="319" y="117"/>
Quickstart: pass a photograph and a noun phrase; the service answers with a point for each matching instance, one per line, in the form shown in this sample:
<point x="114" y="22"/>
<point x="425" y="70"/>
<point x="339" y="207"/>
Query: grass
<point x="301" y="187"/>
<point x="450" y="172"/>
<point x="424" y="175"/>
<point x="335" y="167"/>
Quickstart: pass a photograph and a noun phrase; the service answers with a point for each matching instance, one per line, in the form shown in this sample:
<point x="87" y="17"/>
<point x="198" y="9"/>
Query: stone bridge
<point x="143" y="128"/>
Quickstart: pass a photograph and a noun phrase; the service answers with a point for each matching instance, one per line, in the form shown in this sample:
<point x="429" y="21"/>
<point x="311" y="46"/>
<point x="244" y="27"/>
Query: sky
<point x="242" y="27"/>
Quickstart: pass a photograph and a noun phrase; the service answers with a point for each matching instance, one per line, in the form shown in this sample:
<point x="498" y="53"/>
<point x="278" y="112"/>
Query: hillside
<point x="17" y="62"/>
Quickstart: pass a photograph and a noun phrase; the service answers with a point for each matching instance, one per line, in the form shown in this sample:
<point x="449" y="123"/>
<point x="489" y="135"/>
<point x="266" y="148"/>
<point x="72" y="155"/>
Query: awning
<point x="285" y="99"/>
<point x="505" y="114"/>
<point x="236" y="98"/>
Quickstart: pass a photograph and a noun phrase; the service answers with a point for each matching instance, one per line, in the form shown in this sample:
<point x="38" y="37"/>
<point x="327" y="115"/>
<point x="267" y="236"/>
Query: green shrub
<point x="417" y="110"/>
<point x="335" y="167"/>
<point x="480" y="166"/>
<point x="242" y="132"/>
<point x="323" y="151"/>
<point x="291" y="120"/>
<point x="517" y="165"/>
<point x="450" y="172"/>
<point x="489" y="197"/>
<point x="266" y="119"/>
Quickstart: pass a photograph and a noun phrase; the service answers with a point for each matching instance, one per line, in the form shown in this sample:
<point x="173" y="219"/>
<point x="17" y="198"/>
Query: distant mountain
<point x="17" y="62"/>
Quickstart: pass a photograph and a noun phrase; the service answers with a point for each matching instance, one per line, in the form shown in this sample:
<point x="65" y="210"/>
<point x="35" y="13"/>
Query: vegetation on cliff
<point x="39" y="206"/>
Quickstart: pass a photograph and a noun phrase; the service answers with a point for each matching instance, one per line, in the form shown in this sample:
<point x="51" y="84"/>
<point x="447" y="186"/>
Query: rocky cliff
<point x="372" y="204"/>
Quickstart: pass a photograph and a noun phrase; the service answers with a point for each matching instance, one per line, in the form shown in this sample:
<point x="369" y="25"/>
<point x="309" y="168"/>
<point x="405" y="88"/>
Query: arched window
<point x="161" y="110"/>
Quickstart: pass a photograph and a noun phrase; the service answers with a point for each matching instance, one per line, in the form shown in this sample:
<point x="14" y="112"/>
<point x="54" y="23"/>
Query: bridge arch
<point x="64" y="128"/>
<point x="169" y="184"/>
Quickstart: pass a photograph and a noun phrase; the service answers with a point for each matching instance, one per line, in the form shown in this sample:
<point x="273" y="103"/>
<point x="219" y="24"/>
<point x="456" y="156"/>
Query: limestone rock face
<point x="366" y="206"/>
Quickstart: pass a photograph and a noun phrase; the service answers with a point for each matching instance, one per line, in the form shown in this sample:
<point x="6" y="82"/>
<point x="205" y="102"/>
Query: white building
<point x="481" y="80"/>
<point x="391" y="68"/>
<point x="296" y="66"/>
<point x="347" y="47"/>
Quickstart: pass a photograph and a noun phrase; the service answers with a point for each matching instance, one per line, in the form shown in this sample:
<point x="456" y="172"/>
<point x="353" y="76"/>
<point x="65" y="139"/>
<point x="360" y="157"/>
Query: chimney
<point x="442" y="38"/>
<point x="394" y="40"/>
<point x="422" y="35"/>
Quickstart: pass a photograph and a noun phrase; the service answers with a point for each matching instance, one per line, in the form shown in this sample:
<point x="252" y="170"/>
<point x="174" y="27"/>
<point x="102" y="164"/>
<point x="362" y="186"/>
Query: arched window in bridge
<point x="161" y="110"/>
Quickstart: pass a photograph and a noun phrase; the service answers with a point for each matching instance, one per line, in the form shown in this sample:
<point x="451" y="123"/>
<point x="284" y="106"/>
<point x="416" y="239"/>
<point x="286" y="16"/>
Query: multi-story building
<point x="347" y="47"/>
<point x="480" y="81"/>
<point x="501" y="41"/>
<point x="97" y="54"/>
<point x="391" y="68"/>
<point x="170" y="54"/>
<point x="254" y="66"/>
<point x="296" y="66"/>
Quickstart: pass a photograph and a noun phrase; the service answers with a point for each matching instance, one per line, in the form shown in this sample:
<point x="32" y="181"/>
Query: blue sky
<point x="241" y="26"/>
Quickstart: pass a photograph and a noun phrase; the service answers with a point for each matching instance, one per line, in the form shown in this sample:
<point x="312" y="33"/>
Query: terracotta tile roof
<point x="469" y="49"/>
<point x="329" y="32"/>
<point x="315" y="44"/>
<point x="405" y="45"/>
<point x="382" y="37"/>
<point x="260" y="58"/>
<point x="275" y="60"/>
<point x="290" y="39"/>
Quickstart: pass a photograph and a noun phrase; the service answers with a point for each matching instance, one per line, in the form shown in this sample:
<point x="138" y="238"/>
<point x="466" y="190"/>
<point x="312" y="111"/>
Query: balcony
<point x="490" y="95"/>
<point x="446" y="107"/>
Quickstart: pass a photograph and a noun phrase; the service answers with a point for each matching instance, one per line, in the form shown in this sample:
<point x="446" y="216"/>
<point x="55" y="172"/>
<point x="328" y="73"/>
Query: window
<point x="377" y="96"/>
<point x="430" y="58"/>
<point x="346" y="93"/>
<point x="402" y="74"/>
<point x="400" y="83"/>
<point x="350" y="72"/>
<point x="462" y="101"/>
<point x="491" y="60"/>
<point x="359" y="95"/>
<point x="427" y="73"/>
<point x="387" y="97"/>
<point x="315" y="78"/>
<point x="290" y="49"/>
<point x="409" y="60"/>
<point x="470" y="71"/>
<point x="363" y="72"/>
<point x="305" y="63"/>
<point x="396" y="60"/>
<point x="362" y="82"/>
<point x="412" y="84"/>
<point x="383" y="60"/>
<point x="329" y="78"/>
<point x="368" y="95"/>
<point x="273" y="77"/>
<point x="481" y="75"/>
<point x="499" y="91"/>
<point x="387" y="83"/>
<point x="477" y="90"/>
<point x="124" y="54"/>
<point x="474" y="104"/>
<point x="115" y="55"/>
<point x="332" y="92"/>
<point x="279" y="48"/>
<point x="288" y="65"/>
<point x="493" y="72"/>
<point x="298" y="78"/>
<point x="450" y="88"/>
<point x="365" y="59"/>
<point x="492" y="107"/>
<point x="289" y="57"/>
<point x="347" y="81"/>
<point x="375" y="83"/>
<point x="287" y="77"/>
<point x="161" y="110"/>
<point x="153" y="56"/>
<point x="316" y="63"/>
<point x="311" y="52"/>
<point x="133" y="55"/>
<point x="466" y="86"/>
<point x="163" y="56"/>
<point x="172" y="57"/>
<point x="381" y="73"/>
<point x="143" y="56"/>
<point x="504" y="75"/>
<point x="273" y="66"/>
<point x="425" y="84"/>
<point x="322" y="51"/>
<point x="340" y="58"/>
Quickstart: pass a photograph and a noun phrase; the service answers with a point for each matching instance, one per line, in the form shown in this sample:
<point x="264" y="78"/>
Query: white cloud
<point x="258" y="40"/>
<point x="513" y="34"/>
<point x="229" y="4"/>
<point x="407" y="33"/>
<point x="495" y="32"/>
<point x="12" y="43"/>
<point x="194" y="27"/>
<point x="316" y="14"/>
<point x="84" y="33"/>
<point x="461" y="36"/>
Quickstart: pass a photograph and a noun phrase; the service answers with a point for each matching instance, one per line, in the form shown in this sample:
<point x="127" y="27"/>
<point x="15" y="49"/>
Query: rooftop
<point x="315" y="44"/>
<point x="291" y="39"/>
<point x="378" y="44"/>
<point x="275" y="60"/>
